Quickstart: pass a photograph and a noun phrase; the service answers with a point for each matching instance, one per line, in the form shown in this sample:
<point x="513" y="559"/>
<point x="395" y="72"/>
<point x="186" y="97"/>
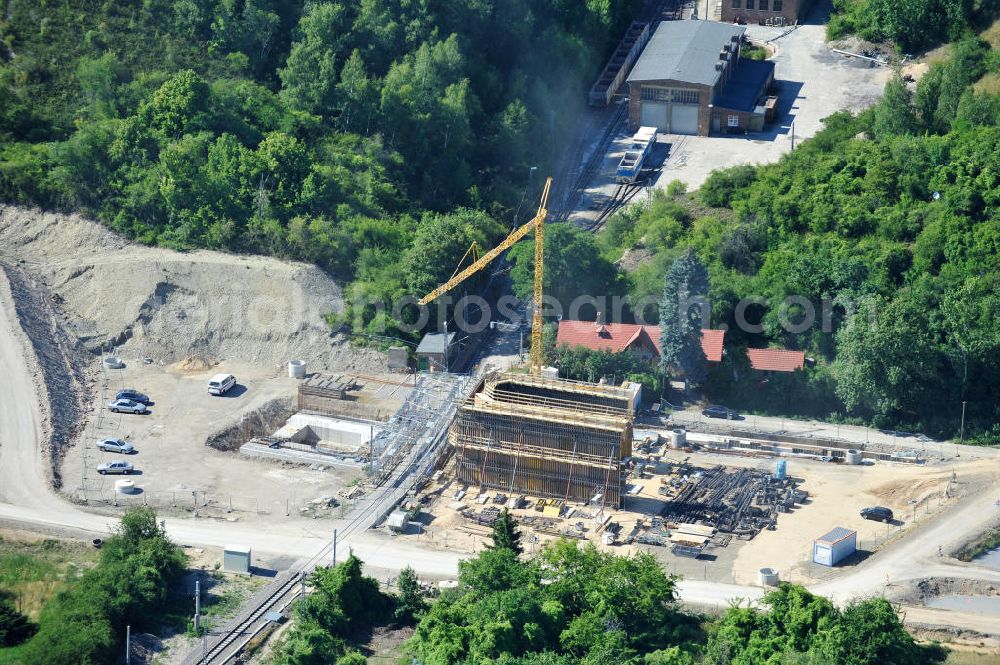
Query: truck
<point x="635" y="155"/>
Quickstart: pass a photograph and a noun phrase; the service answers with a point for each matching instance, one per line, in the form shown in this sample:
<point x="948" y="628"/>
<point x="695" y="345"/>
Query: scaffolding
<point x="544" y="437"/>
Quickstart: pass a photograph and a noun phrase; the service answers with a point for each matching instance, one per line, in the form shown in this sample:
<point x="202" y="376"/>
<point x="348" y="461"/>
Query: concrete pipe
<point x="297" y="369"/>
<point x="768" y="577"/>
<point x="678" y="438"/>
<point x="113" y="362"/>
<point x="124" y="486"/>
<point x="853" y="457"/>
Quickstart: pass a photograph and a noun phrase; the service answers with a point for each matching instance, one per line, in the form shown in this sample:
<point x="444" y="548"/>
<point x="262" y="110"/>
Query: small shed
<point x="436" y="351"/>
<point x="236" y="559"/>
<point x="833" y="547"/>
<point x="397" y="520"/>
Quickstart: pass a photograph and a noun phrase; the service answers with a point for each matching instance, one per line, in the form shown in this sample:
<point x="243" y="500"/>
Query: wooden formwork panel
<point x="542" y="477"/>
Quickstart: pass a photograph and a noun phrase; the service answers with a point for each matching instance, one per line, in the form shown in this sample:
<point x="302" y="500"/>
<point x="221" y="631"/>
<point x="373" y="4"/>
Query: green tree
<point x="870" y="633"/>
<point x="14" y="626"/>
<point x="506" y="535"/>
<point x="894" y="114"/>
<point x="574" y="267"/>
<point x="180" y="106"/>
<point x="888" y="363"/>
<point x="410" y="604"/>
<point x="309" y="78"/>
<point x="681" y="312"/>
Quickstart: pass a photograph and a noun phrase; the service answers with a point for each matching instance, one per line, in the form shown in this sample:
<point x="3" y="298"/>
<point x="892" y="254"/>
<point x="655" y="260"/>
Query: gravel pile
<point x="168" y="306"/>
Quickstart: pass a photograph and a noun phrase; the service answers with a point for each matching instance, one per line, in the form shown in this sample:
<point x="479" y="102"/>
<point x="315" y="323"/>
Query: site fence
<point x="216" y="504"/>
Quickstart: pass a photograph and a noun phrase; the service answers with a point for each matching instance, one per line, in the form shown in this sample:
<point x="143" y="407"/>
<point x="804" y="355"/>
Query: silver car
<point x="117" y="466"/>
<point x="126" y="406"/>
<point x="116" y="446"/>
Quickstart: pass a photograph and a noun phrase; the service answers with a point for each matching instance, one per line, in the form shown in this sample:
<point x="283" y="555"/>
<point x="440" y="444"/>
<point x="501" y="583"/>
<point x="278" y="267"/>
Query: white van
<point x="220" y="383"/>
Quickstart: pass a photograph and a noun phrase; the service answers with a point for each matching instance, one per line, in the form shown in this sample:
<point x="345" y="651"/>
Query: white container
<point x="297" y="369"/>
<point x="124" y="486"/>
<point x="768" y="577"/>
<point x="678" y="438"/>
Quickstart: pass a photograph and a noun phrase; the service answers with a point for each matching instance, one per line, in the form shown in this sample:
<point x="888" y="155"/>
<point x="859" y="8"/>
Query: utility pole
<point x="793" y="136"/>
<point x="961" y="431"/>
<point x="128" y="645"/>
<point x="335" y="547"/>
<point x="197" y="607"/>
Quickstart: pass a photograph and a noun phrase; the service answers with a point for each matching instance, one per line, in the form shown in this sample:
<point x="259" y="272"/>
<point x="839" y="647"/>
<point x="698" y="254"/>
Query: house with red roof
<point x="642" y="339"/>
<point x="776" y="360"/>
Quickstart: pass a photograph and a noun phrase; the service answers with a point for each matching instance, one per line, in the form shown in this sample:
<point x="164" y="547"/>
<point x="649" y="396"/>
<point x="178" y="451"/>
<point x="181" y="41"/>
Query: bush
<point x="15" y="628"/>
<point x="722" y="186"/>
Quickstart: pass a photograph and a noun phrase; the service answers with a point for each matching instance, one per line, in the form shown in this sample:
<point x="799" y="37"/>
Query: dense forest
<point x="891" y="217"/>
<point x="358" y="135"/>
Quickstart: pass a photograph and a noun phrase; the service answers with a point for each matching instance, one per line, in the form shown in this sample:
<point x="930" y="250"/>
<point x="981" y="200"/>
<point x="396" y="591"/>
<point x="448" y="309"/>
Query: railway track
<point x="589" y="165"/>
<point x="622" y="196"/>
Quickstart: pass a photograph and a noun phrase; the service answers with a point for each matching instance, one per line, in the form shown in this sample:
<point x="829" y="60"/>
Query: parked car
<point x="720" y="412"/>
<point x="117" y="466"/>
<point x="116" y="446"/>
<point x="877" y="514"/>
<point x="220" y="384"/>
<point x="126" y="406"/>
<point x="134" y="395"/>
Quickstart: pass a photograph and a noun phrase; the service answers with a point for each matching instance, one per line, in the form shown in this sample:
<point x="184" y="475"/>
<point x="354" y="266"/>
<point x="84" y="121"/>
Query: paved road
<point x="27" y="499"/>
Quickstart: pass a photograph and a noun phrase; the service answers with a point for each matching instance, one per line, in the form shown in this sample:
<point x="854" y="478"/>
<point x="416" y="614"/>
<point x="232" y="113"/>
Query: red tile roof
<point x="776" y="360"/>
<point x="620" y="336"/>
<point x="711" y="344"/>
<point x="604" y="337"/>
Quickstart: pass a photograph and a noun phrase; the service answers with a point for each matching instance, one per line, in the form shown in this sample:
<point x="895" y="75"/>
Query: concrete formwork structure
<point x="544" y="437"/>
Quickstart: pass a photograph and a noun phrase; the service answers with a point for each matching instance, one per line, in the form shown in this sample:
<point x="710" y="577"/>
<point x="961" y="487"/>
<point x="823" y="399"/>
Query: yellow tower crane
<point x="538" y="224"/>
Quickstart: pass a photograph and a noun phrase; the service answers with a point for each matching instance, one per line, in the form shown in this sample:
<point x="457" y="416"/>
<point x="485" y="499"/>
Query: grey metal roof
<point x="684" y="51"/>
<point x="435" y="343"/>
<point x="835" y="536"/>
<point x="746" y="85"/>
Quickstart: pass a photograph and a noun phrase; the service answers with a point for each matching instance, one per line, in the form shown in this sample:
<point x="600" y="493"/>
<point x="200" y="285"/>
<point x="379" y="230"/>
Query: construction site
<point x="546" y="437"/>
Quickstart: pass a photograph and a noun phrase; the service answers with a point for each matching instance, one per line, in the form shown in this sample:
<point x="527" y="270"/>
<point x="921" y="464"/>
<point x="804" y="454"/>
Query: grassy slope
<point x="33" y="571"/>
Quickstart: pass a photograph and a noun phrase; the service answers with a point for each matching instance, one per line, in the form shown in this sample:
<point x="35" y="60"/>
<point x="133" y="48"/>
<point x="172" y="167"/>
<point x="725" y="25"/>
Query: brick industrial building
<point x="690" y="79"/>
<point x="770" y="12"/>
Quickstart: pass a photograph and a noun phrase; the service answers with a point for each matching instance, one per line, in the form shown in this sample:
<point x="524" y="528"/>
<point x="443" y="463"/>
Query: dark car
<point x="720" y="412"/>
<point x="134" y="395"/>
<point x="877" y="514"/>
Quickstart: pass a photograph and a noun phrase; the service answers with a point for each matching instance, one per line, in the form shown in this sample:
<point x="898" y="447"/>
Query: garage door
<point x="684" y="119"/>
<point x="654" y="115"/>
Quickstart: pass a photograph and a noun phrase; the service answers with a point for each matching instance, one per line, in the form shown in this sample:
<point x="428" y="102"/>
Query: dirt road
<point x="22" y="473"/>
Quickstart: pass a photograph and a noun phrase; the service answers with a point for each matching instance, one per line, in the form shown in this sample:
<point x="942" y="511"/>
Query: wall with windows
<point x="764" y="11"/>
<point x="671" y="93"/>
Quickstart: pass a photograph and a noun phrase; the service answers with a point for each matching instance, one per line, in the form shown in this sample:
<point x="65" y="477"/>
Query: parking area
<point x="174" y="468"/>
<point x="812" y="83"/>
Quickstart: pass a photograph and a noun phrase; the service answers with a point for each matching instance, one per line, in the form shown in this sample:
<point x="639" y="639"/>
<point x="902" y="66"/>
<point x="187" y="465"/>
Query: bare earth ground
<point x="172" y="456"/>
<point x="837" y="494"/>
<point x="168" y="305"/>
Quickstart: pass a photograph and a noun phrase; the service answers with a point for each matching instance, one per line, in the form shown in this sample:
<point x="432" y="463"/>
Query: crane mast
<point x="537" y="223"/>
